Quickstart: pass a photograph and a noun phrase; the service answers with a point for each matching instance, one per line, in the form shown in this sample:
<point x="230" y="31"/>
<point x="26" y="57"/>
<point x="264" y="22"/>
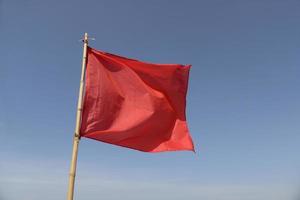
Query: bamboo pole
<point x="78" y="121"/>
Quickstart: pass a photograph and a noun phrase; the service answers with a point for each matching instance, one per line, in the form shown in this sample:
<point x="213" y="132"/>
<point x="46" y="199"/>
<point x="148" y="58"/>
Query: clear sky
<point x="243" y="101"/>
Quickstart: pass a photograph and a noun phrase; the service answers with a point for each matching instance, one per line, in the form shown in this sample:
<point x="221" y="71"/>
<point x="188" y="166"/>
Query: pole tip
<point x="85" y="39"/>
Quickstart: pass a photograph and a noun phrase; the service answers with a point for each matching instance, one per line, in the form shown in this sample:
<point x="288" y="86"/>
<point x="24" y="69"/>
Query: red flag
<point x="135" y="104"/>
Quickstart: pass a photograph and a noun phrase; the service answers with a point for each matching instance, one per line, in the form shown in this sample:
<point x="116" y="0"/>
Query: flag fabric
<point x="135" y="104"/>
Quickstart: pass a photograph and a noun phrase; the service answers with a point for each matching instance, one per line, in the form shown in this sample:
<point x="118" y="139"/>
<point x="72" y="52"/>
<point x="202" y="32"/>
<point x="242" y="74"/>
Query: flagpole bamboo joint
<point x="77" y="137"/>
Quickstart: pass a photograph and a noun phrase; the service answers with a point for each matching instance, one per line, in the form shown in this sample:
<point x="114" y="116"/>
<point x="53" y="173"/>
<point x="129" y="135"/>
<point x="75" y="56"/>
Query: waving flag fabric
<point x="135" y="104"/>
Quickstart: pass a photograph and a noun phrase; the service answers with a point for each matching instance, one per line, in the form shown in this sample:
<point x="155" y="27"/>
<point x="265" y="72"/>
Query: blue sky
<point x="243" y="102"/>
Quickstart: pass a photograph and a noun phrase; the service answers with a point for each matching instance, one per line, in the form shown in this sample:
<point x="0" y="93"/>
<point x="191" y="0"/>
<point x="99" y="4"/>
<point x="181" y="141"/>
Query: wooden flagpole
<point x="78" y="121"/>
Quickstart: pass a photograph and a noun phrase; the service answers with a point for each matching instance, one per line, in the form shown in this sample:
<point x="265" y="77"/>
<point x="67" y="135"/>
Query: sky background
<point x="243" y="104"/>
